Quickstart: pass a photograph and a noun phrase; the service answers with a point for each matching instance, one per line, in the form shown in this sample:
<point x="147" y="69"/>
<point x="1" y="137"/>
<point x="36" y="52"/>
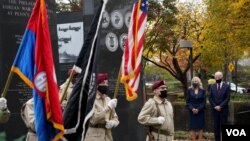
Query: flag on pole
<point x="34" y="64"/>
<point x="79" y="107"/>
<point x="131" y="60"/>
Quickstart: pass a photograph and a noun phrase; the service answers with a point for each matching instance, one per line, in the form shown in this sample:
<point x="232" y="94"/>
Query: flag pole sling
<point x="67" y="86"/>
<point x="7" y="84"/>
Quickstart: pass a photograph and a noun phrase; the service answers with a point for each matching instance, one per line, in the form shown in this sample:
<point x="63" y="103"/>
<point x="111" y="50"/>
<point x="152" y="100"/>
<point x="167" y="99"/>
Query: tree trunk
<point x="184" y="82"/>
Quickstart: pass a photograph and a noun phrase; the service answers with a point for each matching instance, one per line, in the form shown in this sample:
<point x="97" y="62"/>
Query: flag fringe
<point x="125" y="78"/>
<point x="22" y="76"/>
<point x="129" y="90"/>
<point x="61" y="133"/>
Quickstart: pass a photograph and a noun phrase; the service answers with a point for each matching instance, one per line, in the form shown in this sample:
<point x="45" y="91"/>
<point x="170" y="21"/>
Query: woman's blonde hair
<point x="199" y="82"/>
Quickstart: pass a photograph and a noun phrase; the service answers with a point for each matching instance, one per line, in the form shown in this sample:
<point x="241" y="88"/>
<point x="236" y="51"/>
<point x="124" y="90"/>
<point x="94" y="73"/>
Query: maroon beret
<point x="157" y="84"/>
<point x="101" y="77"/>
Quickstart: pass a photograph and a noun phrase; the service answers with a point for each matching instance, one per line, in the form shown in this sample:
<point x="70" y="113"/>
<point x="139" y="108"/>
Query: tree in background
<point x="226" y="34"/>
<point x="168" y="23"/>
<point x="154" y="73"/>
<point x="69" y="5"/>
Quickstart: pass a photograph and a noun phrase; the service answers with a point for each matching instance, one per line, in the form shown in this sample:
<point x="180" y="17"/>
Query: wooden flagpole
<point x="117" y="83"/>
<point x="67" y="86"/>
<point x="7" y="84"/>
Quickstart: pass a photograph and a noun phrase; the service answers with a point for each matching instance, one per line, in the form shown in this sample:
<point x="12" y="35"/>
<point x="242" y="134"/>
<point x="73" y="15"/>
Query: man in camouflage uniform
<point x="100" y="124"/>
<point x="157" y="113"/>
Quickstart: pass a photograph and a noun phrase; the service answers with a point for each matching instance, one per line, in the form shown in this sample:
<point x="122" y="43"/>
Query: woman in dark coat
<point x="196" y="101"/>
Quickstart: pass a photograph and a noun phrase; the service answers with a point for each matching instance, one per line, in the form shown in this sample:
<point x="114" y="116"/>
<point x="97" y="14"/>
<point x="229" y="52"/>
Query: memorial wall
<point x="68" y="31"/>
<point x="113" y="33"/>
<point x="70" y="41"/>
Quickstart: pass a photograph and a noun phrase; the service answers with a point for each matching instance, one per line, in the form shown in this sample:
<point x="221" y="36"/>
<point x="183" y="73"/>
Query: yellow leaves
<point x="226" y="34"/>
<point x="238" y="4"/>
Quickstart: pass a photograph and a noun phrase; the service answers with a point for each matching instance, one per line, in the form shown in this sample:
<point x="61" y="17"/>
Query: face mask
<point x="218" y="81"/>
<point x="163" y="94"/>
<point x="103" y="89"/>
<point x="195" y="85"/>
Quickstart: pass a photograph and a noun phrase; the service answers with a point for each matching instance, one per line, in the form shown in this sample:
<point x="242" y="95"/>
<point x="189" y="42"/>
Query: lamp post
<point x="188" y="44"/>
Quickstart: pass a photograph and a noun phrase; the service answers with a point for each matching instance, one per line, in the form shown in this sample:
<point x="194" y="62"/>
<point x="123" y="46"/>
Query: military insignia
<point x="117" y="19"/>
<point x="105" y="19"/>
<point x="122" y="40"/>
<point x="127" y="18"/>
<point x="111" y="42"/>
<point x="40" y="81"/>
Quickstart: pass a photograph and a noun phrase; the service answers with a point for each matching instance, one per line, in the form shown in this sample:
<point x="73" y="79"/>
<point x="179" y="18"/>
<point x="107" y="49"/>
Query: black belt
<point x="164" y="132"/>
<point x="97" y="125"/>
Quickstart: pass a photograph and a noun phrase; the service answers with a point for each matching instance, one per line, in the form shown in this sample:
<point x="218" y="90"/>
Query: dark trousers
<point x="219" y="119"/>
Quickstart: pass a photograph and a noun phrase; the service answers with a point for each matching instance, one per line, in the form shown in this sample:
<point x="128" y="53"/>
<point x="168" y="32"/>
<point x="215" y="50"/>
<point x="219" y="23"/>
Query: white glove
<point x="109" y="124"/>
<point x="3" y="103"/>
<point x="161" y="120"/>
<point x="112" y="103"/>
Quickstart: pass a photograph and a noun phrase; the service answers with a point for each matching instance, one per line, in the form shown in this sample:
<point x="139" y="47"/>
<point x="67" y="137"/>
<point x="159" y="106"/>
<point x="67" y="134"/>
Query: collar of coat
<point x="159" y="101"/>
<point x="100" y="96"/>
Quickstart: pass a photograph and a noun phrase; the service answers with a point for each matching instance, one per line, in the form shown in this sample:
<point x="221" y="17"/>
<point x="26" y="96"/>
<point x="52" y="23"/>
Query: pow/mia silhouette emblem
<point x="122" y="40"/>
<point x="111" y="42"/>
<point x="117" y="19"/>
<point x="105" y="19"/>
<point x="127" y="18"/>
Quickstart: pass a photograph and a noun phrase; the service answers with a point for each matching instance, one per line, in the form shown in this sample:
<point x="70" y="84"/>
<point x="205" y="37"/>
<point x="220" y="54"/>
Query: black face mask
<point x="195" y="85"/>
<point x="103" y="89"/>
<point x="218" y="81"/>
<point x="164" y="94"/>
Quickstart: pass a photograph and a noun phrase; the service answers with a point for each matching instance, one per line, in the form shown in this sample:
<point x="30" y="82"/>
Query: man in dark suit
<point x="219" y="97"/>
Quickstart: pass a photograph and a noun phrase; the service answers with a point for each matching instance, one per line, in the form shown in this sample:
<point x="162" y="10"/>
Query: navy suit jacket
<point x="197" y="101"/>
<point x="219" y="98"/>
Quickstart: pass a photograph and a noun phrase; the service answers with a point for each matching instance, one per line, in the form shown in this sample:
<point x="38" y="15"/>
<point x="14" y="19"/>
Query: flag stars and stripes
<point x="131" y="62"/>
<point x="144" y="6"/>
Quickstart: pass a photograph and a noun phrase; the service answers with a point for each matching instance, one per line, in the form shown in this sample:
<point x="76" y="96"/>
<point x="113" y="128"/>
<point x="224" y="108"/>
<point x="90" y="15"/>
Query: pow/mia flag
<point x="79" y="107"/>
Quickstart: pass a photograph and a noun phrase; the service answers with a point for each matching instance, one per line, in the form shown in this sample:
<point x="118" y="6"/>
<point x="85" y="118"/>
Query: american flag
<point x="131" y="60"/>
